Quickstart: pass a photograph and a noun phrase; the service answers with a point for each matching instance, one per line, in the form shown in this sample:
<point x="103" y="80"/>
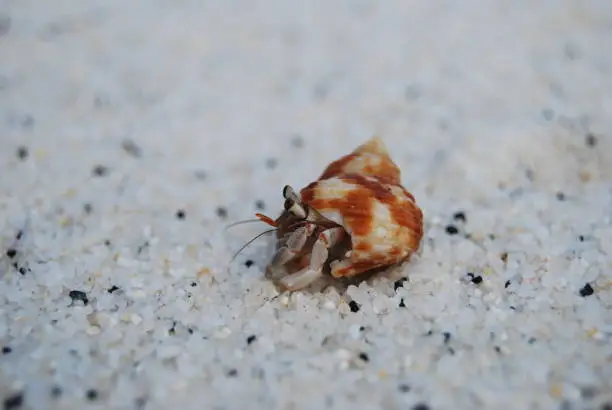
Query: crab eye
<point x="289" y="193"/>
<point x="286" y="190"/>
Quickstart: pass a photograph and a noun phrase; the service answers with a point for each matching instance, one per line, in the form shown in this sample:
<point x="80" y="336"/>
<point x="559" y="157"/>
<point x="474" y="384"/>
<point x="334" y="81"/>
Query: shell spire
<point x="374" y="145"/>
<point x="369" y="159"/>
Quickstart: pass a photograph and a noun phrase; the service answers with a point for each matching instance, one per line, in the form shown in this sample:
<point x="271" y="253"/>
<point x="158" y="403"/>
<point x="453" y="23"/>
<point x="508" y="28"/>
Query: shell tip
<point x="374" y="145"/>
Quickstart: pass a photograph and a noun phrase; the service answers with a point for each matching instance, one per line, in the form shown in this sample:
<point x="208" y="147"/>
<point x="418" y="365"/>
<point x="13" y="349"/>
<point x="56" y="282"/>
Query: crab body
<point x="356" y="217"/>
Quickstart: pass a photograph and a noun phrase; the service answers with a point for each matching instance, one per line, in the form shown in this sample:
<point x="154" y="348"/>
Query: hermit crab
<point x="355" y="218"/>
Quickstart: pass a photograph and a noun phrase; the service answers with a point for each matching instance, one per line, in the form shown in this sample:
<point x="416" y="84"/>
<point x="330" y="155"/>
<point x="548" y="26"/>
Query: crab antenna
<point x="246" y="221"/>
<point x="250" y="242"/>
<point x="266" y="219"/>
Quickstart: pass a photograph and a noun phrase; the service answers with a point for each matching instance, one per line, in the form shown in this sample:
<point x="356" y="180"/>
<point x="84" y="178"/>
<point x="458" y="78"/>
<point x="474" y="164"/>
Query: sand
<point x="133" y="133"/>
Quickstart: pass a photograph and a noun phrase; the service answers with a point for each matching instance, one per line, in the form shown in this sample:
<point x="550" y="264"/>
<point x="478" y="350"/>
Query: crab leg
<point x="292" y="246"/>
<point x="308" y="275"/>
